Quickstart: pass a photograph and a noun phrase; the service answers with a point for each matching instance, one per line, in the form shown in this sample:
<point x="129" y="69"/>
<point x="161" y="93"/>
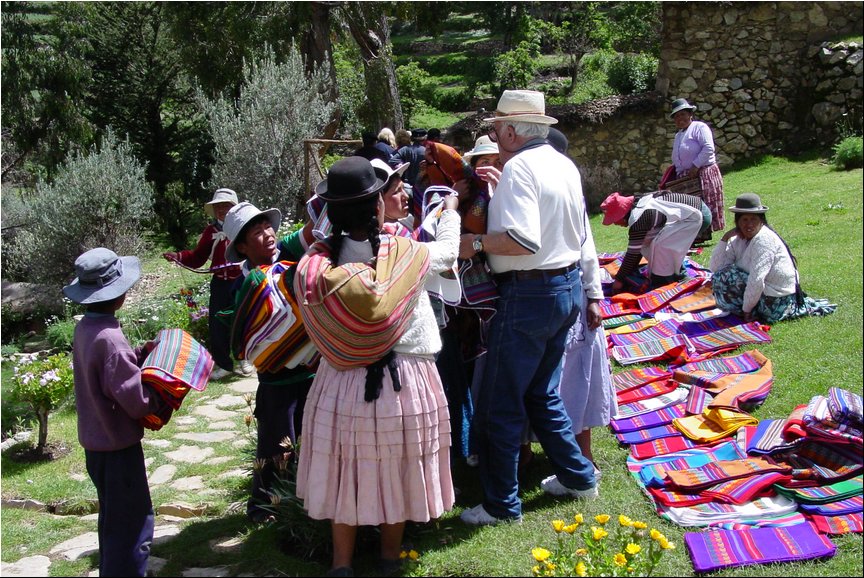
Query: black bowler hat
<point x="748" y="203"/>
<point x="348" y="180"/>
<point x="418" y="133"/>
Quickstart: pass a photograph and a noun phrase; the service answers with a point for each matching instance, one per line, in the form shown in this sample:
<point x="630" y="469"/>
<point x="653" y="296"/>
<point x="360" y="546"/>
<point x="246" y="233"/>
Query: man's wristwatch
<point x="478" y="243"/>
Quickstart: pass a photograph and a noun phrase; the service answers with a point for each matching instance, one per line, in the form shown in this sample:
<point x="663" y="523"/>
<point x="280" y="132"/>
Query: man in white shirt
<point x="541" y="250"/>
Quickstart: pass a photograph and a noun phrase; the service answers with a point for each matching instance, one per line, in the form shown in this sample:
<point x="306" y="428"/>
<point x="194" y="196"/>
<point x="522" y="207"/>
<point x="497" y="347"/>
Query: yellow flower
<point x="602" y="518"/>
<point x="620" y="559"/>
<point x="581" y="570"/>
<point x="630" y="568"/>
<point x="639" y="525"/>
<point x="571" y="528"/>
<point x="414" y="555"/>
<point x="625" y="521"/>
<point x="403" y="554"/>
<point x="558" y="525"/>
<point x="655" y="534"/>
<point x="536" y="570"/>
<point x="666" y="544"/>
<point x="581" y="552"/>
<point x="598" y="533"/>
<point x="578" y="518"/>
<point x="540" y="554"/>
<point x="633" y="549"/>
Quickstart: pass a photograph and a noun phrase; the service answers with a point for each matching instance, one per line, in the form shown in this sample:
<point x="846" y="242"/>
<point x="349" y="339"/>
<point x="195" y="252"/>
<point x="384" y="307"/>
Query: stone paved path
<point x="225" y="427"/>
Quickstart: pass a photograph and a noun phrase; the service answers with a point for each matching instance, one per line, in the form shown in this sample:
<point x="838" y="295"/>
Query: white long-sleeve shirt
<point x="765" y="258"/>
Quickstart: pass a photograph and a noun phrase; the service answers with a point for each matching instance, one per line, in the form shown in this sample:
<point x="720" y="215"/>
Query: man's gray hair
<point x="530" y="129"/>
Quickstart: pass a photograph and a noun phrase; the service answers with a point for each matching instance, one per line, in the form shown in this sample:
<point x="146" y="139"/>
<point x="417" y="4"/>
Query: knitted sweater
<point x="765" y="258"/>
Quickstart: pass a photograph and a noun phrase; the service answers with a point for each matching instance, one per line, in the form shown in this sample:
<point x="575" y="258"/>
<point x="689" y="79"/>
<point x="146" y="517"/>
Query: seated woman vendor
<point x="662" y="227"/>
<point x="754" y="271"/>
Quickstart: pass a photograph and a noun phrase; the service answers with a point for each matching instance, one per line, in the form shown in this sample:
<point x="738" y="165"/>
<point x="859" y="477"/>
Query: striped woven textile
<point x="355" y="313"/>
<point x="675" y="499"/>
<point x="674" y="347"/>
<point x="652" y="404"/>
<point x="818" y="413"/>
<point x="713" y="473"/>
<point x="745" y="489"/>
<point x="825" y="463"/>
<point x="745" y="389"/>
<point x="794" y="426"/>
<point x="659" y="297"/>
<point x="610" y="309"/>
<point x="646" y="435"/>
<point x="819" y="432"/>
<point x="714" y="424"/>
<point x="697" y="328"/>
<point x="700" y="299"/>
<point x="697" y="400"/>
<point x="741" y="363"/>
<point x="712" y="513"/>
<point x="767" y="438"/>
<point x="662" y="447"/>
<point x="652" y="472"/>
<point x="610" y="323"/>
<point x="660" y="417"/>
<point x="846" y="407"/>
<point x="633" y="378"/>
<point x="268" y="329"/>
<point x="739" y="335"/>
<point x="177" y="364"/>
<point x="634" y="327"/>
<point x="778" y="521"/>
<point x="661" y="330"/>
<point x="834" y="525"/>
<point x="647" y="391"/>
<point x="824" y="494"/>
<point x="720" y="549"/>
<point x="853" y="505"/>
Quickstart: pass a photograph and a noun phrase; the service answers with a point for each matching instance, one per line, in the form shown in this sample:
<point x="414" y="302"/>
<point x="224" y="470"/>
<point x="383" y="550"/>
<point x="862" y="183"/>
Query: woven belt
<point x="533" y="274"/>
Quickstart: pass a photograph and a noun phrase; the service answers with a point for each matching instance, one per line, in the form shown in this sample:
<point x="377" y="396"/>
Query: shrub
<point x="414" y="92"/>
<point x="59" y="332"/>
<point x="632" y="73"/>
<point x="142" y="323"/>
<point x="97" y="200"/>
<point x="259" y="137"/>
<point x="43" y="383"/>
<point x="849" y="153"/>
<point x="516" y="68"/>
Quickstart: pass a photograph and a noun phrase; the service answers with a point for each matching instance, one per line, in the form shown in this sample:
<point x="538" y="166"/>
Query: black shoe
<point x="387" y="567"/>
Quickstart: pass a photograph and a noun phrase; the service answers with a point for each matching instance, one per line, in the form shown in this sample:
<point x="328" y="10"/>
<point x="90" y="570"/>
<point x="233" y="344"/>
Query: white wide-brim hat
<point x="102" y="276"/>
<point x="385" y="171"/>
<point x="482" y="146"/>
<point x="238" y="217"/>
<point x="522" y="106"/>
<point x="220" y="196"/>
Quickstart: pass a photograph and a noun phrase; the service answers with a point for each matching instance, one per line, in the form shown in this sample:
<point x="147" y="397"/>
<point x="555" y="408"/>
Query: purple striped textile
<point x="741" y="490"/>
<point x="738" y="335"/>
<point x="662" y="447"/>
<point x="710" y="325"/>
<point x="609" y="309"/>
<point x="660" y="417"/>
<point x="852" y="505"/>
<point x="767" y="438"/>
<point x="658" y="331"/>
<point x="652" y="404"/>
<point x="719" y="549"/>
<point x="697" y="400"/>
<point x="659" y="349"/>
<point x="820" y="462"/>
<point x="741" y="363"/>
<point x="846" y="407"/>
<point x="824" y="494"/>
<point x="717" y="472"/>
<point x="652" y="473"/>
<point x="659" y="297"/>
<point x="621" y="320"/>
<point x="646" y="435"/>
<point x="647" y="391"/>
<point x="633" y="378"/>
<point x="846" y="524"/>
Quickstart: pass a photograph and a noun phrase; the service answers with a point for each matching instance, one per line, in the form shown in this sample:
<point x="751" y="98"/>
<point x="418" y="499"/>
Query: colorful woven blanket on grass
<point x="639" y="325"/>
<point x="634" y="378"/>
<point x="659" y="297"/>
<point x="677" y="347"/>
<point x="660" y="417"/>
<point x="646" y="435"/>
<point x="355" y="313"/>
<point x="711" y="513"/>
<point x="742" y="490"/>
<point x="846" y="408"/>
<point x="621" y="320"/>
<point x="717" y="472"/>
<point x="819" y="421"/>
<point x="652" y="472"/>
<point x="662" y="447"/>
<point x="714" y="424"/>
<point x="613" y="309"/>
<point x="824" y="463"/>
<point x="697" y="328"/>
<point x="700" y="299"/>
<point x="652" y="404"/>
<point x="731" y="336"/>
<point x="767" y="438"/>
<point x="848" y="524"/>
<point x="656" y="331"/>
<point x="741" y="363"/>
<point x="824" y="494"/>
<point x="853" y="505"/>
<point x="647" y="391"/>
<point x="177" y="364"/>
<point x="719" y="549"/>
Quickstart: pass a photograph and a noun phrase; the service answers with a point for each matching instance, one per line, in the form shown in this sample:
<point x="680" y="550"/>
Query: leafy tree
<point x="259" y="137"/>
<point x="99" y="199"/>
<point x="516" y="68"/>
<point x="636" y="26"/>
<point x="44" y="78"/>
<point x="43" y="384"/>
<point x="413" y="86"/>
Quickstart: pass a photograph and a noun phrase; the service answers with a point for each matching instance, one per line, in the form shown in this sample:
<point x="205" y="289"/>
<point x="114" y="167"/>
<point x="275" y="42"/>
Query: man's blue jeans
<point x="523" y="368"/>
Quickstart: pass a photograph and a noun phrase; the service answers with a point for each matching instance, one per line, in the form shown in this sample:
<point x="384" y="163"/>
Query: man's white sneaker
<point x="478" y="516"/>
<point x="551" y="485"/>
<point x="245" y="368"/>
<point x="218" y="374"/>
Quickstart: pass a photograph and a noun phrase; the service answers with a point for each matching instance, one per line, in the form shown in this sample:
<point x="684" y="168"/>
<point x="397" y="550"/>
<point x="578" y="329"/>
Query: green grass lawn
<point x="815" y="208"/>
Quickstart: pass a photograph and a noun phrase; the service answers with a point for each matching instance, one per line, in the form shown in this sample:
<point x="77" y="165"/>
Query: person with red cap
<point x="662" y="227"/>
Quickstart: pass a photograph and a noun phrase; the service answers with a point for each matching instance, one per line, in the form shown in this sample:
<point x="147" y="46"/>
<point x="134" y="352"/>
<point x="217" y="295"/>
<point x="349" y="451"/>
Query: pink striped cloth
<point x="747" y="333"/>
<point x="846" y="524"/>
<point x="659" y="297"/>
<point x="633" y="378"/>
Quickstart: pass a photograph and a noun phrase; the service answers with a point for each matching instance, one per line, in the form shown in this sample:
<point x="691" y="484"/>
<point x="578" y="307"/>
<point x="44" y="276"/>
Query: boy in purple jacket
<point x="110" y="400"/>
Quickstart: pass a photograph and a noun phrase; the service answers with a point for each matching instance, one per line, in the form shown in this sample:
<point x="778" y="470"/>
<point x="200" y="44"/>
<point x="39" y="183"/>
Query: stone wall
<point x="762" y="74"/>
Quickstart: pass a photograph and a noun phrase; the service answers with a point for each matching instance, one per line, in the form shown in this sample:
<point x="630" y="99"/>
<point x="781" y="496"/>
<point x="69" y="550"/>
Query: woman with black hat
<point x="754" y="272"/>
<point x="376" y="428"/>
<point x="693" y="155"/>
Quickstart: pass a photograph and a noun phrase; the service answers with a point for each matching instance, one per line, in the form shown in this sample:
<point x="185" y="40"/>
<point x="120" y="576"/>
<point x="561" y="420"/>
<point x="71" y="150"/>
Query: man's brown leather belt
<point x="533" y="274"/>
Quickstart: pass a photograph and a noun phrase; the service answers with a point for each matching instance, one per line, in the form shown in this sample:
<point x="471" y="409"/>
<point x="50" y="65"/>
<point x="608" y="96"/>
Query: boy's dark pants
<point x="125" y="510"/>
<point x="220" y="334"/>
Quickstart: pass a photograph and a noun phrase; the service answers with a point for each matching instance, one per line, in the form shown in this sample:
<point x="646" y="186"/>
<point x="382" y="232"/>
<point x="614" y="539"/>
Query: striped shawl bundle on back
<point x="355" y="313"/>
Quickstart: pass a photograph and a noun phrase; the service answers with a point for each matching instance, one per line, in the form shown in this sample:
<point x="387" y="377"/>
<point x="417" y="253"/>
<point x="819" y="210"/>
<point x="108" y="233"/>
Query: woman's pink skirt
<point x="381" y="462"/>
<point x="712" y="194"/>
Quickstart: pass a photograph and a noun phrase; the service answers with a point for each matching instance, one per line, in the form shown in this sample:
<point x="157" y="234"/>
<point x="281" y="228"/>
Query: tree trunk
<point x="318" y="49"/>
<point x="368" y="25"/>
<point x="42" y="416"/>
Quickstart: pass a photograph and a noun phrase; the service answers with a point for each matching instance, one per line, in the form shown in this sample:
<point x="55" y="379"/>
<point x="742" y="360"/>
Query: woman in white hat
<point x="693" y="155"/>
<point x="755" y="274"/>
<point x="211" y="247"/>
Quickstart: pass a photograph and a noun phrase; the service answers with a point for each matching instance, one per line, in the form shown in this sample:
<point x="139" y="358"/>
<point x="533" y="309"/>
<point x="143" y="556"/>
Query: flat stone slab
<point x="163" y="474"/>
<point x="185" y="420"/>
<point x="27" y="504"/>
<point x="214" y="571"/>
<point x="190" y="483"/>
<point x="182" y="510"/>
<point x="29" y="566"/>
<point x="157" y="443"/>
<point x="165" y="532"/>
<point x="217" y="425"/>
<point x="77" y="547"/>
<point x="207" y="437"/>
<point x="227" y="400"/>
<point x="214" y="413"/>
<point x="190" y="454"/>
<point x="240" y="443"/>
<point x="236" y="473"/>
<point x="219" y="460"/>
<point x="247" y="385"/>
